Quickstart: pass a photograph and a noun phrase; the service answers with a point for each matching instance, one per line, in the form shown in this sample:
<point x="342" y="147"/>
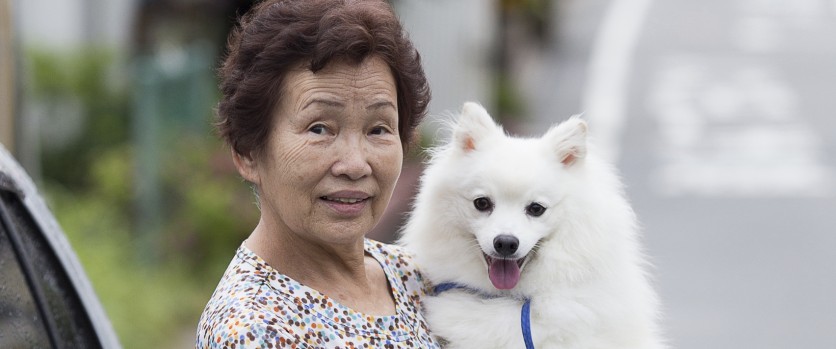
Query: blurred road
<point x="720" y="115"/>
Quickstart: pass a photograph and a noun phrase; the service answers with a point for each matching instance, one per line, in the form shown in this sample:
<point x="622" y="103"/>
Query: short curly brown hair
<point x="277" y="35"/>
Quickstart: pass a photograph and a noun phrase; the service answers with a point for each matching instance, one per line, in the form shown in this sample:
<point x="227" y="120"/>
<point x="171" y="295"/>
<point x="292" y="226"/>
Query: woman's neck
<point x="340" y="271"/>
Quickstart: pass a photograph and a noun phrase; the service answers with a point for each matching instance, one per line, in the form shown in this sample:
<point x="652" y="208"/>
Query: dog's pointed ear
<point x="473" y="126"/>
<point x="568" y="139"/>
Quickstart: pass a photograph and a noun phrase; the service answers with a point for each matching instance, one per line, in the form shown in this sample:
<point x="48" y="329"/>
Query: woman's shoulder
<point x="399" y="262"/>
<point x="392" y="255"/>
<point x="241" y="309"/>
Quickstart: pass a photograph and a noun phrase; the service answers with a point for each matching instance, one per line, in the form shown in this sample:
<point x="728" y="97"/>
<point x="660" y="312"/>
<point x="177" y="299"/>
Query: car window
<point x="62" y="312"/>
<point x="21" y="325"/>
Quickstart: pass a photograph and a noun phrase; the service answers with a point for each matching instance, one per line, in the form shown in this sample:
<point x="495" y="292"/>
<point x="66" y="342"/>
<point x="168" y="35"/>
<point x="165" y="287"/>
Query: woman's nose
<point x="352" y="159"/>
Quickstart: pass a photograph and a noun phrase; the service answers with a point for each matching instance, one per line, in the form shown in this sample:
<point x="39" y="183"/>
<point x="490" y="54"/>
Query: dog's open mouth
<point x="504" y="273"/>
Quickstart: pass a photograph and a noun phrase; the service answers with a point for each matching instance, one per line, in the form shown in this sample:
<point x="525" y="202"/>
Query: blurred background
<point x="719" y="114"/>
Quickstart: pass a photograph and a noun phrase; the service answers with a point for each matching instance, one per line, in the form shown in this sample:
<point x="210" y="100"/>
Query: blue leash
<point x="525" y="312"/>
<point x="525" y="320"/>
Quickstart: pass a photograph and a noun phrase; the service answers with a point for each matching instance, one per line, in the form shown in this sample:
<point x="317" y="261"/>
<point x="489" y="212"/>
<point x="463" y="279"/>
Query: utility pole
<point x="7" y="77"/>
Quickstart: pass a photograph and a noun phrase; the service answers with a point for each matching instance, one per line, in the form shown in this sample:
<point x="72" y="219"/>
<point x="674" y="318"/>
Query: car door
<point x="46" y="300"/>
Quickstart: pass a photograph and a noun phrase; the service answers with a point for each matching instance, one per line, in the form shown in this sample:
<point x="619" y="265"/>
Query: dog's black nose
<point x="505" y="245"/>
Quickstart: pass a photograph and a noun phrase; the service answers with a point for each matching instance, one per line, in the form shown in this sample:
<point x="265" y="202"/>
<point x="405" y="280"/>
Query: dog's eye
<point x="535" y="209"/>
<point x="483" y="204"/>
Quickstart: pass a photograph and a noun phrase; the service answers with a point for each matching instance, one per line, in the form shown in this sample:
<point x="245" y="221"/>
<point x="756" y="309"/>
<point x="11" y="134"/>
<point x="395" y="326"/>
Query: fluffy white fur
<point x="584" y="269"/>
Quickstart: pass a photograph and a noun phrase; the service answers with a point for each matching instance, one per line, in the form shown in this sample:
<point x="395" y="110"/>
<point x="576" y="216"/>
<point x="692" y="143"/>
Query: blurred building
<point x="456" y="40"/>
<point x="7" y="77"/>
<point x="68" y="24"/>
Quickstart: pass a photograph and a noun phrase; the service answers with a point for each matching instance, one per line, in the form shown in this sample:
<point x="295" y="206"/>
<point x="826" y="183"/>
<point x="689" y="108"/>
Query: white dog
<point x="531" y="243"/>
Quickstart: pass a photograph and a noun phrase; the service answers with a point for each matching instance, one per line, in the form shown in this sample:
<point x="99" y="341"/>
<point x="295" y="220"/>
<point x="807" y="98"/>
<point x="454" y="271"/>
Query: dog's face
<point x="509" y="191"/>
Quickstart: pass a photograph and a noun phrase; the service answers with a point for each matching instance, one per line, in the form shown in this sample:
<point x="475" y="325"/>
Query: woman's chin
<point x="343" y="229"/>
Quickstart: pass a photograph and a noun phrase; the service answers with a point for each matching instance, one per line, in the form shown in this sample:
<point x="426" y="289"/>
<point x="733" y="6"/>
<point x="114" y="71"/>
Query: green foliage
<point x="91" y="184"/>
<point x="210" y="213"/>
<point x="210" y="210"/>
<point x="146" y="306"/>
<point x="509" y="103"/>
<point x="85" y="78"/>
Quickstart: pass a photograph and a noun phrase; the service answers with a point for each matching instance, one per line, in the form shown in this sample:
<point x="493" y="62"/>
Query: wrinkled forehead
<point x="340" y="82"/>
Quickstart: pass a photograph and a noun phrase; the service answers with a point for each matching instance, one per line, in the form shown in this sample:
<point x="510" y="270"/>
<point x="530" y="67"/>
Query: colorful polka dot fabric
<point x="255" y="306"/>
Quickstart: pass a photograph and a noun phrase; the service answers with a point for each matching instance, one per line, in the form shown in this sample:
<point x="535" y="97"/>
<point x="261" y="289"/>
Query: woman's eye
<point x="318" y="129"/>
<point x="379" y="130"/>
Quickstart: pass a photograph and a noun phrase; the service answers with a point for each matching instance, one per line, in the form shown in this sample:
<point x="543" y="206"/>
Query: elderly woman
<point x="319" y="100"/>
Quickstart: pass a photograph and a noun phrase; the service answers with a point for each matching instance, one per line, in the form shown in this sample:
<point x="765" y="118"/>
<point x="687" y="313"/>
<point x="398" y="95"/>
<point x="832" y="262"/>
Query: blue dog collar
<point x="525" y="312"/>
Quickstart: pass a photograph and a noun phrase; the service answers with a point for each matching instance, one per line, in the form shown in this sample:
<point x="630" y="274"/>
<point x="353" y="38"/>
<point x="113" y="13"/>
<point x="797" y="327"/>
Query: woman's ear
<point x="246" y="166"/>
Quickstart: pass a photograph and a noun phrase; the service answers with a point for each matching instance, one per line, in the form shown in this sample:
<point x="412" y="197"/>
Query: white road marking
<point x="611" y="60"/>
<point x="784" y="8"/>
<point x="733" y="132"/>
<point x="757" y="34"/>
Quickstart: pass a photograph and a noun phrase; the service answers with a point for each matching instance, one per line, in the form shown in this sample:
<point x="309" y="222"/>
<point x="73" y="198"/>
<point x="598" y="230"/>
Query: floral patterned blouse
<point x="255" y="306"/>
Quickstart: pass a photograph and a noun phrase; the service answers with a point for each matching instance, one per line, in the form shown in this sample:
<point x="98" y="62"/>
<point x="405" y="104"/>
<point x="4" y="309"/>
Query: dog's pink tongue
<point x="504" y="273"/>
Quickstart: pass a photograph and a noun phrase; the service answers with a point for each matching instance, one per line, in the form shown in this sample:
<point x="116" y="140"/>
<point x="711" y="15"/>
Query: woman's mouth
<point x="343" y="200"/>
<point x="346" y="203"/>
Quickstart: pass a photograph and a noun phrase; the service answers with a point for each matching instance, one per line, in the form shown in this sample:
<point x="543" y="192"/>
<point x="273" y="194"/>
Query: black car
<point x="46" y="300"/>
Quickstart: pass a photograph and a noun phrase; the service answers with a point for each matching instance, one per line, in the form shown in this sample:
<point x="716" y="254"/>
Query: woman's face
<point x="333" y="155"/>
